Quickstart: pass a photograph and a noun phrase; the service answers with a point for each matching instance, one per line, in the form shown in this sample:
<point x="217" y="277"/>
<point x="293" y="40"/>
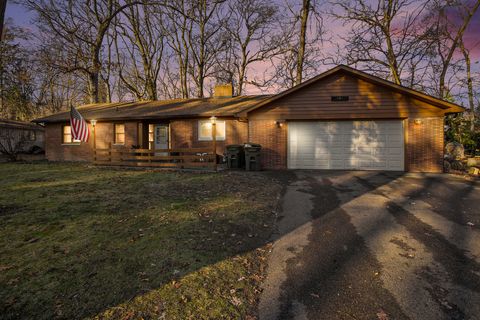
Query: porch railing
<point x="187" y="158"/>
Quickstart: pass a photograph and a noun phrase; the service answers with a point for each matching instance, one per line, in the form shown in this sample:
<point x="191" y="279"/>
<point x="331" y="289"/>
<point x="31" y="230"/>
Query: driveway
<point x="375" y="245"/>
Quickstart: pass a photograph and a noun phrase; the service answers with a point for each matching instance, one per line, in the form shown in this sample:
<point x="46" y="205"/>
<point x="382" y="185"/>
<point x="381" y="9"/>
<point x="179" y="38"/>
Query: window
<point x="119" y="133"/>
<point x="205" y="130"/>
<point x="150" y="136"/>
<point x="67" y="136"/>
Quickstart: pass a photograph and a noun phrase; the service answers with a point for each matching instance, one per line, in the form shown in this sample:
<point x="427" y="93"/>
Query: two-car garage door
<point x="362" y="145"/>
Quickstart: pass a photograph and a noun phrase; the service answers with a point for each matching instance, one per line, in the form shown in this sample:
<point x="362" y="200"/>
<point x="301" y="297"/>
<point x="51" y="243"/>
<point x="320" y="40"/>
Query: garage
<point x="347" y="145"/>
<point x="346" y="119"/>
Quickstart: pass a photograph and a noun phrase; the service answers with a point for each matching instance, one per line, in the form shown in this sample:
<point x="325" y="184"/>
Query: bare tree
<point x="251" y="37"/>
<point x="12" y="142"/>
<point x="301" y="41"/>
<point x="142" y="45"/>
<point x="448" y="36"/>
<point x="385" y="37"/>
<point x="80" y="27"/>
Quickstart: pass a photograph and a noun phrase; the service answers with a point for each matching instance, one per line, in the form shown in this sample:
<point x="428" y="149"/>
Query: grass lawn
<point x="82" y="242"/>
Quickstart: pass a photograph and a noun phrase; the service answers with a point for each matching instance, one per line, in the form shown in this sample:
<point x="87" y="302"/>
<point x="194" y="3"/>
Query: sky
<point x="22" y="17"/>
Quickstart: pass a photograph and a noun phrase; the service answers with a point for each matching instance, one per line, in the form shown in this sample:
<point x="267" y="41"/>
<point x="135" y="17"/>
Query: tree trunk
<point x="93" y="87"/>
<point x="303" y="39"/>
<point x="453" y="47"/>
<point x="468" y="65"/>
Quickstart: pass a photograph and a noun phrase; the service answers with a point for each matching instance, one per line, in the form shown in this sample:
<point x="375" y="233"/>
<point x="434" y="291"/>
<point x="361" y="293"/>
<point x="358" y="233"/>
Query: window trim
<point x="73" y="142"/>
<point x="115" y="134"/>
<point x="199" y="125"/>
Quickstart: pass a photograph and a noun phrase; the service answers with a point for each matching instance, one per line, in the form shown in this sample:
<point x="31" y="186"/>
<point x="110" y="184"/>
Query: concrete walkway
<point x="371" y="245"/>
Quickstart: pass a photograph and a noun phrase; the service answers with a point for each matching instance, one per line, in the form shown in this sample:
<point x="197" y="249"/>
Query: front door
<point x="161" y="138"/>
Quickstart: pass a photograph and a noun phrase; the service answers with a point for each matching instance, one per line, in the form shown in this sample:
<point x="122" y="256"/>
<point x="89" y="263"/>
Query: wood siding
<point x="366" y="101"/>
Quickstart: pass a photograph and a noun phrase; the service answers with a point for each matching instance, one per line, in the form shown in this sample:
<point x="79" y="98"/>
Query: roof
<point x="177" y="108"/>
<point x="4" y="123"/>
<point x="225" y="107"/>
<point x="439" y="103"/>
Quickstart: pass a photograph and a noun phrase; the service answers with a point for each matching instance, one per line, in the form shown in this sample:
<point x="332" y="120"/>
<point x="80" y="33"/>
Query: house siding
<point x="425" y="145"/>
<point x="423" y="142"/>
<point x="365" y="101"/>
<point x="184" y="134"/>
<point x="57" y="151"/>
<point x="273" y="140"/>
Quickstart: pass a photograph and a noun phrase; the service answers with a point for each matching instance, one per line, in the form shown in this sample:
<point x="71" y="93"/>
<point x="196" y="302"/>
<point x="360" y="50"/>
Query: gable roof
<point x="177" y="108"/>
<point x="436" y="102"/>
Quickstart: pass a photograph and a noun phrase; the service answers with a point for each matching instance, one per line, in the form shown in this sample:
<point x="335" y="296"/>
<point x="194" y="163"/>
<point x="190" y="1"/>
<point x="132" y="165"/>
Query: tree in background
<point x="16" y="83"/>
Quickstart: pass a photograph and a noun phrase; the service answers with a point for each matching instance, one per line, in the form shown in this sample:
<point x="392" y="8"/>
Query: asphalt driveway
<point x="373" y="245"/>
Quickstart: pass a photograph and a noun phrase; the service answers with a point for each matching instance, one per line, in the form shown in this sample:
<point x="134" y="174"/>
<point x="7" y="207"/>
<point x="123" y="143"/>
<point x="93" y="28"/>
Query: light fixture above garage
<point x="279" y="123"/>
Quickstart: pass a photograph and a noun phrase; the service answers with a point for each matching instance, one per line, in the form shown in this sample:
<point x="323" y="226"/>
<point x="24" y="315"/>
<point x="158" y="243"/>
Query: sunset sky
<point x="335" y="31"/>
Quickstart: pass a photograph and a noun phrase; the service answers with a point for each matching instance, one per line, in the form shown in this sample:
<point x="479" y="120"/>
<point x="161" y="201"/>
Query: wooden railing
<point x="203" y="158"/>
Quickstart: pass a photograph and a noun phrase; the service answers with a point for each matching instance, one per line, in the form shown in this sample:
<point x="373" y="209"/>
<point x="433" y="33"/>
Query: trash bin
<point x="235" y="156"/>
<point x="252" y="156"/>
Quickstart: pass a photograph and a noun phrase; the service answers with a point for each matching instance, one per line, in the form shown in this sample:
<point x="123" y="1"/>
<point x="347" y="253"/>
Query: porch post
<point x="94" y="122"/>
<point x="214" y="140"/>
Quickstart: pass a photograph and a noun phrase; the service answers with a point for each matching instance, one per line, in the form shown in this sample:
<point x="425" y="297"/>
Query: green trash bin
<point x="252" y="156"/>
<point x="235" y="156"/>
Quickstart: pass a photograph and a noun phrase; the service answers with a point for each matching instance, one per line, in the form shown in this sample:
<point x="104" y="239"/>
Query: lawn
<point x="85" y="242"/>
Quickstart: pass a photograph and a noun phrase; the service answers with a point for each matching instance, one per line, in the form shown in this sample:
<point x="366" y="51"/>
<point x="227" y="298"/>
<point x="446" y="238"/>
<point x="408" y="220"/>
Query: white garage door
<point x="362" y="145"/>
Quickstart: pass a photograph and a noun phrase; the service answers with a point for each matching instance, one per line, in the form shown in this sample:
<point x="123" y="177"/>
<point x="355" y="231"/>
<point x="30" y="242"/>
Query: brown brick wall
<point x="273" y="140"/>
<point x="56" y="151"/>
<point x="424" y="145"/>
<point x="184" y="134"/>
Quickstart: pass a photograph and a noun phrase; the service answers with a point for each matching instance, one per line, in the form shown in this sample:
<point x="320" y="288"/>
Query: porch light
<point x="279" y="123"/>
<point x="213" y="119"/>
<point x="93" y="122"/>
<point x="417" y="121"/>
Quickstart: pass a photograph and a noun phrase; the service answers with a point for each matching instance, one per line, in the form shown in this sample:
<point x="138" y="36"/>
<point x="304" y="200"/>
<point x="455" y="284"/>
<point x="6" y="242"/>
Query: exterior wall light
<point x="93" y="122"/>
<point x="417" y="121"/>
<point x="279" y="123"/>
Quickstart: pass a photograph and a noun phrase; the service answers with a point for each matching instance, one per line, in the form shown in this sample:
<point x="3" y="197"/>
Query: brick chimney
<point x="223" y="91"/>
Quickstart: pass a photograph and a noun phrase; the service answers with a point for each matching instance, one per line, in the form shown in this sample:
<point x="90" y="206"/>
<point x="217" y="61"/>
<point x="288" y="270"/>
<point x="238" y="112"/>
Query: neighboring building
<point x="341" y="119"/>
<point x="31" y="136"/>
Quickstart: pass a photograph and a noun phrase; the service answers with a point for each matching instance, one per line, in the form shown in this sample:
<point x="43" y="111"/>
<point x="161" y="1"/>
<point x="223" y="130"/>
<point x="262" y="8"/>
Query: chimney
<point x="223" y="91"/>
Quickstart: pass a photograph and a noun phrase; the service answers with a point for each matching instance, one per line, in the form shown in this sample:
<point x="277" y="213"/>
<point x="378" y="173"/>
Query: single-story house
<point x="20" y="137"/>
<point x="340" y="119"/>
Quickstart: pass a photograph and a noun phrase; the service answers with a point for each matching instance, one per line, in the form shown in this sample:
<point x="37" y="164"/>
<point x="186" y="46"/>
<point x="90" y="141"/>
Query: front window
<point x="119" y="133"/>
<point x="67" y="135"/>
<point x="205" y="130"/>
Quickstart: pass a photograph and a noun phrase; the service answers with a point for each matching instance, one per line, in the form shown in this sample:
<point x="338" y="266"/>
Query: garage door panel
<point x="367" y="145"/>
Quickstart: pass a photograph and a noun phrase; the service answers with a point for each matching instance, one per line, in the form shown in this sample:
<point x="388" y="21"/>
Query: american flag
<point x="79" y="126"/>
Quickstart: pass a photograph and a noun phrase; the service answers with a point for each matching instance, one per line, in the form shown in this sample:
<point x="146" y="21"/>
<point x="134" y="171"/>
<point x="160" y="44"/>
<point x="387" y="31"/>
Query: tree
<point x="140" y="55"/>
<point x="12" y="142"/>
<point x="16" y="81"/>
<point x="250" y="37"/>
<point x="385" y="36"/>
<point x="203" y="40"/>
<point x="80" y="27"/>
<point x="3" y="6"/>
<point x="444" y="30"/>
<point x="300" y="43"/>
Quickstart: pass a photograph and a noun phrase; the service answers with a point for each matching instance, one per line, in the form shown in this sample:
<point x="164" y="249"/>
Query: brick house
<point x="340" y="119"/>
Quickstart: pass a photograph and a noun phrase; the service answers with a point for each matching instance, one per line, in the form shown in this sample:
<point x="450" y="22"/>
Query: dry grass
<point x="79" y="242"/>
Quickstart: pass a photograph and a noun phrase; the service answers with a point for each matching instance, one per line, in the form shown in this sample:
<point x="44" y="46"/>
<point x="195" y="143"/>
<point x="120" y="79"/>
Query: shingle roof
<point x="4" y="123"/>
<point x="178" y="108"/>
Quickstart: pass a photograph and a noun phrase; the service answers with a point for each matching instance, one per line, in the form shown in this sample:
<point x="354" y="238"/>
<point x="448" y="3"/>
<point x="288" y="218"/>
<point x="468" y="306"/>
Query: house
<point x="340" y="119"/>
<point x="20" y="137"/>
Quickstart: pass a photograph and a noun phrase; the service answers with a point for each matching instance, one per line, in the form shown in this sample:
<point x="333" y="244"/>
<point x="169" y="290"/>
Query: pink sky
<point x="336" y="30"/>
